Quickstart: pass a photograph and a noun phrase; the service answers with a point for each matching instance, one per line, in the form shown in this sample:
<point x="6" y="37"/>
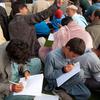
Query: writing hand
<point x="17" y="87"/>
<point x="68" y="68"/>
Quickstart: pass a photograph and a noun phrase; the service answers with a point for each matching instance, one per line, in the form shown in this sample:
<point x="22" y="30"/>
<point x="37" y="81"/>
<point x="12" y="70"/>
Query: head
<point x="66" y="20"/>
<point x="58" y="13"/>
<point x="95" y="15"/>
<point x="71" y="10"/>
<point x="74" y="48"/>
<point x="19" y="7"/>
<point x="18" y="51"/>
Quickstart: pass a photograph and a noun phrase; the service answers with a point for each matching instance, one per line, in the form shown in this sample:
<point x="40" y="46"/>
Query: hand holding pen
<point x="16" y="87"/>
<point x="68" y="67"/>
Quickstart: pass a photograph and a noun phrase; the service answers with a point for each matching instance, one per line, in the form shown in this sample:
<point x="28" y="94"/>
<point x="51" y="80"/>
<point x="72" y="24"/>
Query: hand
<point x="59" y="25"/>
<point x="17" y="88"/>
<point x="27" y="74"/>
<point x="68" y="68"/>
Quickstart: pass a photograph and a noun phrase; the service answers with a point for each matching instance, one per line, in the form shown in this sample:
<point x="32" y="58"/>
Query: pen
<point x="14" y="83"/>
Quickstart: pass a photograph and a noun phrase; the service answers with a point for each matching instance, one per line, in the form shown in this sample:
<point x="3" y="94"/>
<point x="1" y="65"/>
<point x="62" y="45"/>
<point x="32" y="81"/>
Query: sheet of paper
<point x="32" y="86"/>
<point x="46" y="97"/>
<point x="63" y="78"/>
<point x="51" y="37"/>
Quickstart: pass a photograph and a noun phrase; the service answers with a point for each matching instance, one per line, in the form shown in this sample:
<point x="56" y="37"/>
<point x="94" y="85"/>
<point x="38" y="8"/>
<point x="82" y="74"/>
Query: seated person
<point x="69" y="30"/>
<point x="16" y="62"/>
<point x="91" y="9"/>
<point x="78" y="18"/>
<point x="94" y="28"/>
<point x="90" y="65"/>
<point x="42" y="29"/>
<point x="57" y="63"/>
<point x="56" y="19"/>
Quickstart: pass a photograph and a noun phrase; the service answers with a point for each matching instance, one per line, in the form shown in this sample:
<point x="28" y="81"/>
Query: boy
<point x="57" y="63"/>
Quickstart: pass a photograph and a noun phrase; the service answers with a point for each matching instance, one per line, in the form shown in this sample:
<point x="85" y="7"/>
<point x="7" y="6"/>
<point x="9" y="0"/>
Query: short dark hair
<point x="97" y="13"/>
<point x="66" y="20"/>
<point x="76" y="45"/>
<point x="16" y="6"/>
<point x="18" y="51"/>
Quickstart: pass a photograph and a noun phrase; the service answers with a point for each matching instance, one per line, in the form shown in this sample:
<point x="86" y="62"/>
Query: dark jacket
<point x="4" y="22"/>
<point x="21" y="27"/>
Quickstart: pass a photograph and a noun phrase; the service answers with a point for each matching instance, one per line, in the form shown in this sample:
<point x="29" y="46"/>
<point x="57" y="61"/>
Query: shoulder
<point x="90" y="26"/>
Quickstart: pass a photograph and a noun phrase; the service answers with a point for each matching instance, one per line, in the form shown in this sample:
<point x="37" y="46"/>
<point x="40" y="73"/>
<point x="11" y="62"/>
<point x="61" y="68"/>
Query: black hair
<point x="98" y="47"/>
<point x="76" y="45"/>
<point x="66" y="20"/>
<point x="95" y="1"/>
<point x="97" y="13"/>
<point x="18" y="51"/>
<point x="16" y="6"/>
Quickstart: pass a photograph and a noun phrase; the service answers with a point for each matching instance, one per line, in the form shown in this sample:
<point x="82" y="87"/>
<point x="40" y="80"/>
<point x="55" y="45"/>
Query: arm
<point x="24" y="70"/>
<point x="96" y="71"/>
<point x="4" y="87"/>
<point x="50" y="71"/>
<point x="34" y="18"/>
<point x="4" y="22"/>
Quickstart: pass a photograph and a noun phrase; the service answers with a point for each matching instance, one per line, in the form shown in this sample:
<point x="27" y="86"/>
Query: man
<point x="91" y="9"/>
<point x="70" y="30"/>
<point x="90" y="65"/>
<point x="57" y="63"/>
<point x="94" y="28"/>
<point x="21" y="27"/>
<point x="16" y="63"/>
<point x="79" y="19"/>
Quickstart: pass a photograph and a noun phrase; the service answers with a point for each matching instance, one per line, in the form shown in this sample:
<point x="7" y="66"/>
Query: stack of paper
<point x="32" y="86"/>
<point x="46" y="97"/>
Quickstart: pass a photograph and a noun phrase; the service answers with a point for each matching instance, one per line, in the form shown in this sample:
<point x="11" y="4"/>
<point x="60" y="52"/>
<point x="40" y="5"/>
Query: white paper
<point x="32" y="86"/>
<point x="63" y="78"/>
<point x="2" y="5"/>
<point x="51" y="37"/>
<point x="47" y="97"/>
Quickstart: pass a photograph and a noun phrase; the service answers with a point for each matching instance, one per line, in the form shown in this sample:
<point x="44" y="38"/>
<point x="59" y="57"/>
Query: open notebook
<point x="49" y="41"/>
<point x="63" y="78"/>
<point x="32" y="86"/>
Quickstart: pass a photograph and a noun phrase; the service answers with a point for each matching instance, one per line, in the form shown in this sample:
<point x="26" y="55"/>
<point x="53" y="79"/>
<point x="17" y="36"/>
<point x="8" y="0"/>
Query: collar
<point x="74" y="15"/>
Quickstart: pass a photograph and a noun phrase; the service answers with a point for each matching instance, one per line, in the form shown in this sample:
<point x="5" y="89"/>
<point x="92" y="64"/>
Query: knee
<point x="87" y="94"/>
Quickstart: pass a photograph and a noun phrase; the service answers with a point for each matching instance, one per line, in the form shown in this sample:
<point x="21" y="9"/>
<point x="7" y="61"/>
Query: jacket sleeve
<point x="50" y="71"/>
<point x="4" y="84"/>
<point x="4" y="87"/>
<point x="38" y="17"/>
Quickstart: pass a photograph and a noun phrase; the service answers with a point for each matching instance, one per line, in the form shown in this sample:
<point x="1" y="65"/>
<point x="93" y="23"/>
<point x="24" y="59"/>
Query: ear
<point x="68" y="47"/>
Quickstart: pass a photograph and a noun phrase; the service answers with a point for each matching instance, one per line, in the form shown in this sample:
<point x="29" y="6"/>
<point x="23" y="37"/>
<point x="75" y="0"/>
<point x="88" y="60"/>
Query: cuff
<point x="63" y="70"/>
